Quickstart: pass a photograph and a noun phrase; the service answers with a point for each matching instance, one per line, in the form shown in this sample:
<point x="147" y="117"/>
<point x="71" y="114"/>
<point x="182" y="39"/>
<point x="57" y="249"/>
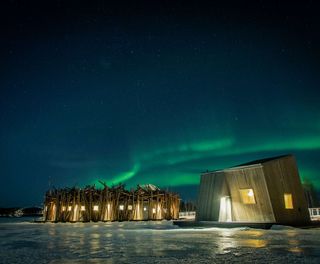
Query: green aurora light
<point x="157" y="98"/>
<point x="182" y="164"/>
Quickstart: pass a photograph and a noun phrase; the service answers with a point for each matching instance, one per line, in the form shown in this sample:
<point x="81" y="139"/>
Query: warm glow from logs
<point x="90" y="204"/>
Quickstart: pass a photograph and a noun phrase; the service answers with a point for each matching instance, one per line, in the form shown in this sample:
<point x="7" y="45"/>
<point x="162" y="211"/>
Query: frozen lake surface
<point x="152" y="242"/>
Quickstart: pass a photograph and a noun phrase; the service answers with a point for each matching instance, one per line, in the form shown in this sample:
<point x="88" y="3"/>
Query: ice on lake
<point x="152" y="242"/>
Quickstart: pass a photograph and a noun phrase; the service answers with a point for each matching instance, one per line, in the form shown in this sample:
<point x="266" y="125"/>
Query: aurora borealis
<point x="153" y="94"/>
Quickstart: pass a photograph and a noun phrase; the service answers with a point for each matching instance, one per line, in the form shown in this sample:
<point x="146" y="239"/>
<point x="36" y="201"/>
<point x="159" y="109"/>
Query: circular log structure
<point x="146" y="202"/>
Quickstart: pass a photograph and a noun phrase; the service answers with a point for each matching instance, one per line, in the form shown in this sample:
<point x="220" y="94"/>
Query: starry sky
<point x="153" y="92"/>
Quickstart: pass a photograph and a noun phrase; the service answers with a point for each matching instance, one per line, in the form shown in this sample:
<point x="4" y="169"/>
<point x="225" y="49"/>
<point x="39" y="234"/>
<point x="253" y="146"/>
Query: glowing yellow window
<point x="288" y="201"/>
<point x="247" y="196"/>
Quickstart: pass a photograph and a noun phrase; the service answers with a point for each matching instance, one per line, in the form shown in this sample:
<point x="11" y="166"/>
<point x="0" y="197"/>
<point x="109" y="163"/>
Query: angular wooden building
<point x="146" y="202"/>
<point x="261" y="191"/>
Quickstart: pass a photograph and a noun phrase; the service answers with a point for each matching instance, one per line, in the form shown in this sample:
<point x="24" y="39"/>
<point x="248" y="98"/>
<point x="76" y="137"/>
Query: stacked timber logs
<point x="146" y="202"/>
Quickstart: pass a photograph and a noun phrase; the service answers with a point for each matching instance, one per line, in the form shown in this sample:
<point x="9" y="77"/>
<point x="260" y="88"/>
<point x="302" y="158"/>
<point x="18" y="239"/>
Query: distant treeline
<point x="311" y="193"/>
<point x="187" y="206"/>
<point x="19" y="212"/>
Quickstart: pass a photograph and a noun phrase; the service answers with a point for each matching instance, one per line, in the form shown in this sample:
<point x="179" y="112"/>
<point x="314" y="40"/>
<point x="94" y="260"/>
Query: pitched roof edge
<point x="254" y="163"/>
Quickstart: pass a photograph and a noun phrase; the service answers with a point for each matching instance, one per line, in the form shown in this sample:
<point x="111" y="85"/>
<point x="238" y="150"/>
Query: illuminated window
<point x="95" y="208"/>
<point x="129" y="207"/>
<point x="153" y="210"/>
<point x="121" y="207"/>
<point x="63" y="208"/>
<point x="144" y="208"/>
<point x="247" y="196"/>
<point x="288" y="201"/>
<point x="69" y="208"/>
<point x="83" y="208"/>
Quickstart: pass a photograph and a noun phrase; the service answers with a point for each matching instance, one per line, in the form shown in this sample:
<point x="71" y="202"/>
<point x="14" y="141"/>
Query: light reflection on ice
<point x="153" y="242"/>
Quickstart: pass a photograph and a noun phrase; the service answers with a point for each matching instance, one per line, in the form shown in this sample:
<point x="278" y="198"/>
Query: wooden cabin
<point x="146" y="202"/>
<point x="262" y="191"/>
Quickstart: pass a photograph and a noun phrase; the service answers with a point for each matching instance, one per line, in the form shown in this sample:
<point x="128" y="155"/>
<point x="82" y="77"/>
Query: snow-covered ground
<point x="152" y="242"/>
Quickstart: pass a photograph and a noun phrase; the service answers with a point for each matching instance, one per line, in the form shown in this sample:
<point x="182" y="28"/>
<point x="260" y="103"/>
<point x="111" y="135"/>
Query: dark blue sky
<point x="153" y="93"/>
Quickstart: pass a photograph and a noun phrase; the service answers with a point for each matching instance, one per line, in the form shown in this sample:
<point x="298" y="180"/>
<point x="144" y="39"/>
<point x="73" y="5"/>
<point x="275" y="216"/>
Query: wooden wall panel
<point x="212" y="188"/>
<point x="249" y="178"/>
<point x="282" y="177"/>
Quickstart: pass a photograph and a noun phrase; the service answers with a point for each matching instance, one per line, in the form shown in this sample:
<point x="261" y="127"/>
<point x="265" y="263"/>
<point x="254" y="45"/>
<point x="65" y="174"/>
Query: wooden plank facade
<point x="110" y="204"/>
<point x="264" y="191"/>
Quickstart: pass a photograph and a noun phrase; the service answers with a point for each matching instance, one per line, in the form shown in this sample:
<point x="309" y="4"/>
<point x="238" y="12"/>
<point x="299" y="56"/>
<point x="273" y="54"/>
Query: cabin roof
<point x="250" y="163"/>
<point x="260" y="161"/>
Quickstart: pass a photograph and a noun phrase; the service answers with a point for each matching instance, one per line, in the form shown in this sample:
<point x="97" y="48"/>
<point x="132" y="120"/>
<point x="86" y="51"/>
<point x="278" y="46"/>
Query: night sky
<point x="153" y="93"/>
